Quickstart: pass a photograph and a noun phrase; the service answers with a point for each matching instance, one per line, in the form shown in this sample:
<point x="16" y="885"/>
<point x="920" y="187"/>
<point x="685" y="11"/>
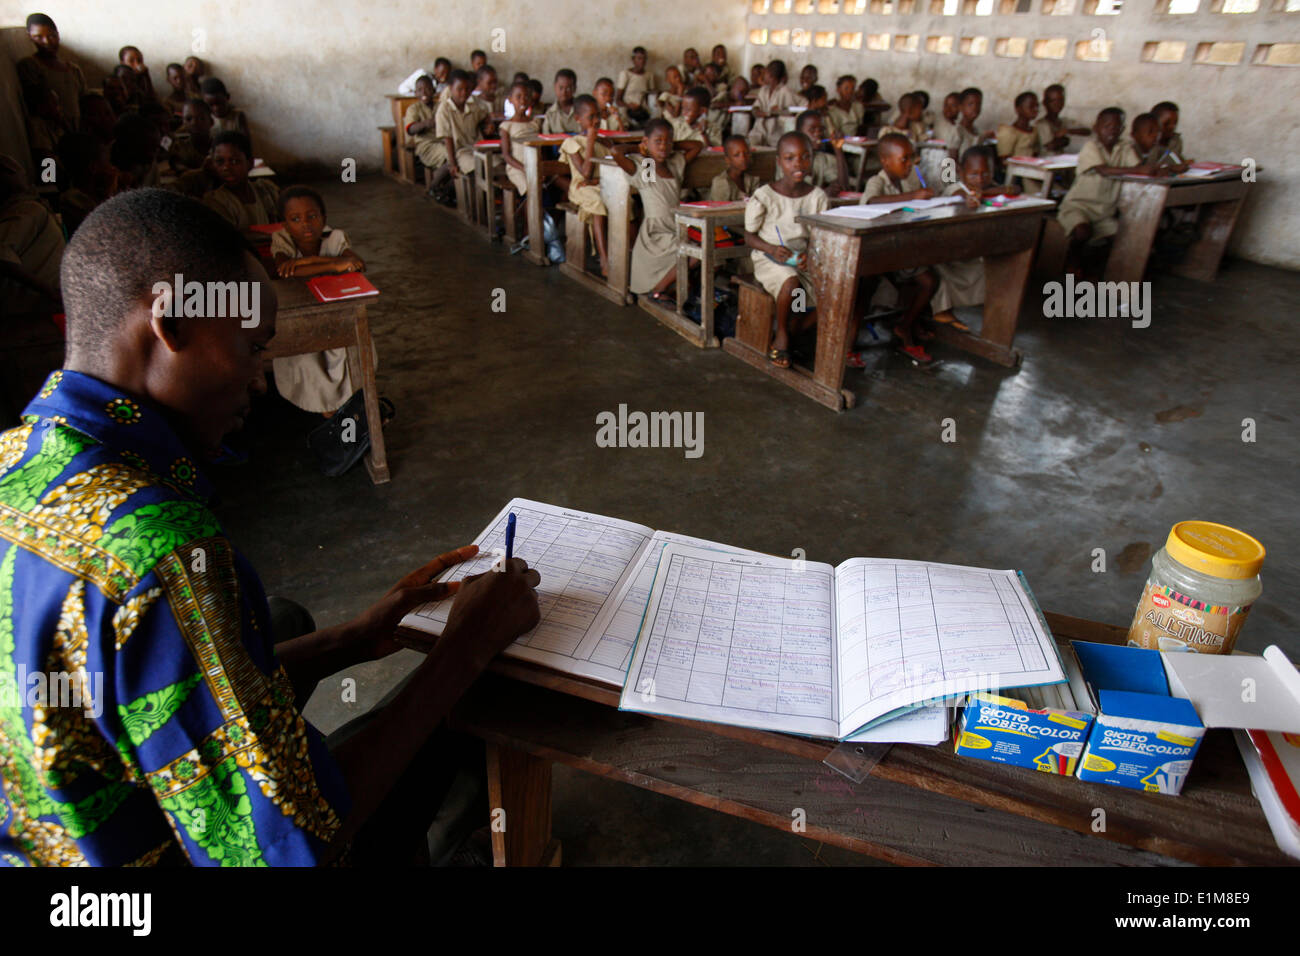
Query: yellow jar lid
<point x="1215" y="549"/>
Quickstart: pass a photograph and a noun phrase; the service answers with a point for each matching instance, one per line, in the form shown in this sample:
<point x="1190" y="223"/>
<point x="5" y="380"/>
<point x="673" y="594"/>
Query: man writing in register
<point x="147" y="713"/>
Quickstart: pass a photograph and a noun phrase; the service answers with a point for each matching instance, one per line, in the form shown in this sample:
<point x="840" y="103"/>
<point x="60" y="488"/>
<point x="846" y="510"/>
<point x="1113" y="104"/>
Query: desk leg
<point x="683" y="272"/>
<point x="616" y="191"/>
<point x="536" y="251"/>
<point x="707" y="265"/>
<point x="833" y="260"/>
<point x="520" y="785"/>
<point x="361" y="367"/>
<point x="1203" y="256"/>
<point x="1140" y="205"/>
<point x="1005" y="279"/>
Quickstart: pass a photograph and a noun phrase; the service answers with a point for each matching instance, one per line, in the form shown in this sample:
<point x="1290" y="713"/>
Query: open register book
<point x="602" y="585"/>
<point x="807" y="648"/>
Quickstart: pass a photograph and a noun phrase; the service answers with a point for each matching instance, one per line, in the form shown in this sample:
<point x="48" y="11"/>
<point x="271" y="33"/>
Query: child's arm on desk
<point x="309" y="266"/>
<point x="619" y="155"/>
<point x="583" y="163"/>
<point x="841" y="165"/>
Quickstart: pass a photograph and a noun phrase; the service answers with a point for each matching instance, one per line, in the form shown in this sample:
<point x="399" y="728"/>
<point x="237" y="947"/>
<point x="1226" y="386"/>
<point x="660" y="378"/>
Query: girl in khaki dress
<point x="514" y="131"/>
<point x="580" y="152"/>
<point x="779" y="242"/>
<point x="305" y="247"/>
<point x="657" y="177"/>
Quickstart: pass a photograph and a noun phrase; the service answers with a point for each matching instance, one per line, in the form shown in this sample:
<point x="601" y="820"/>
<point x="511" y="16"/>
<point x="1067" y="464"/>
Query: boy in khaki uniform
<point x="636" y="87"/>
<point x="1089" y="209"/>
<point x="562" y="116"/>
<point x="419" y="122"/>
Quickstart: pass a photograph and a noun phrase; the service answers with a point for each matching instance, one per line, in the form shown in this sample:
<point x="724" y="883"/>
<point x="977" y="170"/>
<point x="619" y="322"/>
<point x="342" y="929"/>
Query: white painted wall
<point x="312" y="75"/>
<point x="1227" y="112"/>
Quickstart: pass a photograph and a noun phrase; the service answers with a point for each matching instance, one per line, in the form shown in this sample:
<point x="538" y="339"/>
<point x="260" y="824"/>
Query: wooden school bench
<point x="918" y="806"/>
<point x="1142" y="199"/>
<point x="841" y="250"/>
<point x="303" y="324"/>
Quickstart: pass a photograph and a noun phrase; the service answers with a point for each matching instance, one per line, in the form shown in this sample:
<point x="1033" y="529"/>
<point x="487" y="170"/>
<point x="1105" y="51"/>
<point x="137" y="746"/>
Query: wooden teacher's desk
<point x="916" y="806"/>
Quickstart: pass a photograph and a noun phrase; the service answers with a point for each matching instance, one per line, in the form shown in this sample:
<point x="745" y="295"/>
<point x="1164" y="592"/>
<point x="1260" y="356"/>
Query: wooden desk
<point x="840" y="250"/>
<point x="1141" y="201"/>
<point x="304" y="324"/>
<point x="405" y="159"/>
<point x="918" y="806"/>
<point x="1041" y="173"/>
<point x="536" y="252"/>
<point x="616" y="191"/>
<point x="709" y="256"/>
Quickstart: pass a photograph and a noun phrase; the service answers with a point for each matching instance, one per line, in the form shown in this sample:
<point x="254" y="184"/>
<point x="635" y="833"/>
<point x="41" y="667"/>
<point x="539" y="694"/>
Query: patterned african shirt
<point x="144" y="717"/>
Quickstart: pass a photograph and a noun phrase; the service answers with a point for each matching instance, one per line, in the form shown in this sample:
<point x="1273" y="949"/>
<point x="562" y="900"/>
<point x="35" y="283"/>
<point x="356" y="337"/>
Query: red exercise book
<point x="349" y="285"/>
<point x="488" y="142"/>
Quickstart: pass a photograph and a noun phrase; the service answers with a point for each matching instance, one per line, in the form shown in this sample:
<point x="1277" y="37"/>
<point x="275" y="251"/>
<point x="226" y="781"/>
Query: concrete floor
<point x="1103" y="439"/>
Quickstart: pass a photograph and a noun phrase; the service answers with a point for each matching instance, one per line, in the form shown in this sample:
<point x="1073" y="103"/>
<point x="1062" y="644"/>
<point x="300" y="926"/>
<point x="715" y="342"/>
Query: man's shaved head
<point x="130" y="242"/>
<point x="200" y="363"/>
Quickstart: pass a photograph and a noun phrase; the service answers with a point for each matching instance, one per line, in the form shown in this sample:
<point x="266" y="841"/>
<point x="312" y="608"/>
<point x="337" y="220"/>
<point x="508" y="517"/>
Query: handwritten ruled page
<point x="738" y="639"/>
<point x="614" y="634"/>
<point x="582" y="559"/>
<point x="911" y="631"/>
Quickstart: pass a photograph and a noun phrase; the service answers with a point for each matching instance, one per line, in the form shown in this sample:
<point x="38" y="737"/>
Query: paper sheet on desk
<point x="875" y="210"/>
<point x="925" y="725"/>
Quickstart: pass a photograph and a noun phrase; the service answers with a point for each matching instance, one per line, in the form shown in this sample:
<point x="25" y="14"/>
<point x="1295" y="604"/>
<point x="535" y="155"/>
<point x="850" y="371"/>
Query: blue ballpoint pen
<point x="510" y="536"/>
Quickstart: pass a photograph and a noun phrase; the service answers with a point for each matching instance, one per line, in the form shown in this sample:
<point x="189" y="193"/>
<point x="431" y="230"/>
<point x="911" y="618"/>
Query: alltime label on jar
<point x="1168" y="621"/>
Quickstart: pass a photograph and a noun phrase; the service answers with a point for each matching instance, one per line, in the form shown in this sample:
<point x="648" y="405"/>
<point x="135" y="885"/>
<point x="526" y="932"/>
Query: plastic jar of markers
<point x="1202" y="585"/>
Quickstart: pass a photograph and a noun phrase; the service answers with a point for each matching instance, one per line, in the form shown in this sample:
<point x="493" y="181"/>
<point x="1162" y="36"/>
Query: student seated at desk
<point x="514" y="131"/>
<point x="456" y="123"/>
<point x="830" y="170"/>
<point x="635" y="86"/>
<point x="719" y="61"/>
<point x="1054" y="130"/>
<point x="561" y="117"/>
<point x="241" y="201"/>
<point x="306" y="247"/>
<point x="927" y="115"/>
<point x="420" y="122"/>
<point x="736" y="183"/>
<point x="44" y="67"/>
<point x="580" y="152"/>
<point x="772" y="105"/>
<point x="845" y="112"/>
<point x="961" y="283"/>
<point x="1088" y="211"/>
<point x="131" y="58"/>
<point x="613" y="117"/>
<point x="738" y="123"/>
<point x="816" y="98"/>
<point x="898" y="180"/>
<point x="195" y="71"/>
<point x="968" y="134"/>
<point x="807" y="80"/>
<point x="1021" y="137"/>
<point x="1171" y="141"/>
<point x="657" y="177"/>
<point x="778" y="242"/>
<point x="190" y="154"/>
<point x="179" y="96"/>
<point x="224" y="116"/>
<point x="945" y="125"/>
<point x="490" y="99"/>
<point x="691" y="122"/>
<point x="691" y="68"/>
<point x="477" y="60"/>
<point x="872" y="105"/>
<point x="670" y="99"/>
<point x="907" y="122"/>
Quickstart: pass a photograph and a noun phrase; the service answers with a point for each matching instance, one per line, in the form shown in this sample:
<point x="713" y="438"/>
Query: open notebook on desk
<point x="596" y="574"/>
<point x="806" y="648"/>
